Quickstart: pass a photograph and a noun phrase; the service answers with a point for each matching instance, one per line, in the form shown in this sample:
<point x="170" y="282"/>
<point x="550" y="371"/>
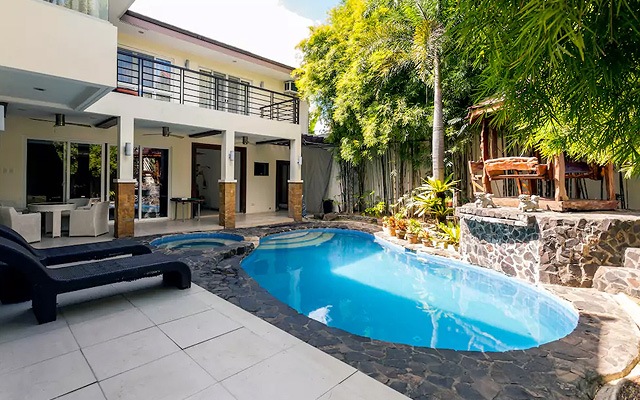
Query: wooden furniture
<point x="522" y="169"/>
<point x="53" y="215"/>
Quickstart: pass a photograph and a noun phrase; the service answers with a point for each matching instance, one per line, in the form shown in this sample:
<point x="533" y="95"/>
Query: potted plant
<point x="385" y="224"/>
<point x="424" y="237"/>
<point x="451" y="234"/>
<point x="413" y="230"/>
<point x="391" y="221"/>
<point x="401" y="228"/>
<point x="327" y="206"/>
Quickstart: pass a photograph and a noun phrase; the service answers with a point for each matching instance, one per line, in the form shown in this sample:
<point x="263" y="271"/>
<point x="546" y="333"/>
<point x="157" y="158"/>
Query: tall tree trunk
<point x="437" y="148"/>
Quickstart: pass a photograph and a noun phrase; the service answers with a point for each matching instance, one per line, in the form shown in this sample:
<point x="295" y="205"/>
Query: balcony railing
<point x="95" y="8"/>
<point x="152" y="78"/>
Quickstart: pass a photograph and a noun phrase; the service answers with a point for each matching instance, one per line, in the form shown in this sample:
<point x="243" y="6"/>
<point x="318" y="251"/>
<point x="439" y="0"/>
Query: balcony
<point x="151" y="78"/>
<point x="59" y="58"/>
<point x="95" y="8"/>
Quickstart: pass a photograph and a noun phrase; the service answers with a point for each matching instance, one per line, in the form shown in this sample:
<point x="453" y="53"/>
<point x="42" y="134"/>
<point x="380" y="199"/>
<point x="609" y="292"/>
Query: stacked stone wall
<point x="547" y="247"/>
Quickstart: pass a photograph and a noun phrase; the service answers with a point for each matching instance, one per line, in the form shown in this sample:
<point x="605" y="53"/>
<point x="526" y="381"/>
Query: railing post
<point x="271" y="106"/>
<point x="296" y="111"/>
<point x="140" y="77"/>
<point x="217" y="96"/>
<point x="181" y="86"/>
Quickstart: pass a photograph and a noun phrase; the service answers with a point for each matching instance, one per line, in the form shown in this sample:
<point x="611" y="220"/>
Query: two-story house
<point x="104" y="103"/>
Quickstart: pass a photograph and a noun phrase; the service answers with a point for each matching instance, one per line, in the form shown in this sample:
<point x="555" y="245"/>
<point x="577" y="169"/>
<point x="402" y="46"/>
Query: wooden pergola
<point x="525" y="171"/>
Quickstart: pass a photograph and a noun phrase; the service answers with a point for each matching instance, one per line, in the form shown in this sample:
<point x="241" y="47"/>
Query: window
<point x="260" y="169"/>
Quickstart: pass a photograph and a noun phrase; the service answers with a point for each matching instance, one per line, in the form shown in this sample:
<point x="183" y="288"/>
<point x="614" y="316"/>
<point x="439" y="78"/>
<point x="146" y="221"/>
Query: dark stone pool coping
<point x="603" y="347"/>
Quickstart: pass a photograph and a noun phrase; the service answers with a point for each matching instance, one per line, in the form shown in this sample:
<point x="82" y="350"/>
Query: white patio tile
<point x="95" y="309"/>
<point x="215" y="392"/>
<point x="257" y="325"/>
<point x="91" y="392"/>
<point x="163" y="307"/>
<point x="299" y="373"/>
<point x="172" y="377"/>
<point x="34" y="349"/>
<point x="362" y="387"/>
<point x="109" y="327"/>
<point x="198" y="328"/>
<point x="231" y="353"/>
<point x="47" y="379"/>
<point x="127" y="352"/>
<point x="18" y="322"/>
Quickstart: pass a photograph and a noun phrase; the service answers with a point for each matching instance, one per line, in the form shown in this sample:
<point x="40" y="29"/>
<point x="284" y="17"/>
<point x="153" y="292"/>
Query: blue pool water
<point x="352" y="281"/>
<point x="196" y="240"/>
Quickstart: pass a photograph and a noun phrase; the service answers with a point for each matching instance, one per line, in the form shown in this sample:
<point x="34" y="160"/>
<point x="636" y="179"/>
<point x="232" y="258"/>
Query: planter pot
<point x="452" y="247"/>
<point x="426" y="242"/>
<point x="385" y="229"/>
<point x="412" y="238"/>
<point x="400" y="234"/>
<point x="435" y="243"/>
<point x="392" y="231"/>
<point x="327" y="206"/>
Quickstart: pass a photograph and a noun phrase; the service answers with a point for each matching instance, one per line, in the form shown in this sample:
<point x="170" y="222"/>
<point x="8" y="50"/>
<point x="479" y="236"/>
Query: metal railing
<point x="160" y="80"/>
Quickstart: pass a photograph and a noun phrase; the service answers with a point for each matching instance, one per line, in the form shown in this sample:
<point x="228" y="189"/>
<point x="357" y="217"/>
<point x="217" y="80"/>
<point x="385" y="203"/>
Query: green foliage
<point x="567" y="71"/>
<point x="376" y="210"/>
<point x="432" y="198"/>
<point x="414" y="226"/>
<point x="369" y="71"/>
<point x="451" y="232"/>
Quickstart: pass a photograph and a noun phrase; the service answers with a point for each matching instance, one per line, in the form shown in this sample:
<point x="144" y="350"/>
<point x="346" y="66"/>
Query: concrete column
<point x="227" y="183"/>
<point x="125" y="183"/>
<point x="295" y="180"/>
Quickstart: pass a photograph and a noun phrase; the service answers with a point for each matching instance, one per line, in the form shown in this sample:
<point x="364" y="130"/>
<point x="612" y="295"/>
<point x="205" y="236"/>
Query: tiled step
<point x="632" y="257"/>
<point x="618" y="280"/>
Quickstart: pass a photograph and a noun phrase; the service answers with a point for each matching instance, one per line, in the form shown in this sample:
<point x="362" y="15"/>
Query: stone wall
<point x="547" y="247"/>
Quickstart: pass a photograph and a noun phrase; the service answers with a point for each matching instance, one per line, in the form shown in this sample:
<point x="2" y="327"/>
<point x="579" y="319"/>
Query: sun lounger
<point x="75" y="253"/>
<point x="44" y="284"/>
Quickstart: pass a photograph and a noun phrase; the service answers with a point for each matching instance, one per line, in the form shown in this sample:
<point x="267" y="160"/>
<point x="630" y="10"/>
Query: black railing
<point x="152" y="78"/>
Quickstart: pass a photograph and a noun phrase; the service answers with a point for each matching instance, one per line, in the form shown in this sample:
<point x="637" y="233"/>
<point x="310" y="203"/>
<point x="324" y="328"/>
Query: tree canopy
<point x="568" y="72"/>
<point x="369" y="72"/>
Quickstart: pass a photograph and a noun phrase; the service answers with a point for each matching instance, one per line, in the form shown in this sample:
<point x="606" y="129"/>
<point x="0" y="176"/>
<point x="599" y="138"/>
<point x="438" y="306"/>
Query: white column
<point x="295" y="160"/>
<point x="125" y="135"/>
<point x="227" y="156"/>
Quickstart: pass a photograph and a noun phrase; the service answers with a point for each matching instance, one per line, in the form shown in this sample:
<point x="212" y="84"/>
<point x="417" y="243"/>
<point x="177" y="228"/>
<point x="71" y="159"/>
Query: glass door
<point x="46" y="171"/>
<point x="151" y="168"/>
<point x="85" y="170"/>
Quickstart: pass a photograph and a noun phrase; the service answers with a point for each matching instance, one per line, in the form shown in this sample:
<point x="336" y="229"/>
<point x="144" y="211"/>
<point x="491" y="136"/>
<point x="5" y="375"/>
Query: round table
<point x="53" y="215"/>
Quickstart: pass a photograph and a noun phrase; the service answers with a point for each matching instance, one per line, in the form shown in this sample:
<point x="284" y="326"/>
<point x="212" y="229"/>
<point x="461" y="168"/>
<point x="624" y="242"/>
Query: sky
<point x="270" y="28"/>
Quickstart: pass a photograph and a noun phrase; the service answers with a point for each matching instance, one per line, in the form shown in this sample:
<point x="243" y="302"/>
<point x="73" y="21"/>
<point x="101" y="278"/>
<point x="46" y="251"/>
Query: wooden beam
<point x="493" y="141"/>
<point x="609" y="181"/>
<point x="558" y="178"/>
<point x="484" y="146"/>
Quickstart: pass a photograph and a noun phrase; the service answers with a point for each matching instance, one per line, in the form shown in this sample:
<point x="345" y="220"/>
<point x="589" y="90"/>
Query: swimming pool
<point x="353" y="281"/>
<point x="196" y="240"/>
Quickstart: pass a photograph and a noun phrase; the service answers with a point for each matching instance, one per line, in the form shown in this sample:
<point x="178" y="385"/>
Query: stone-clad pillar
<point x="125" y="184"/>
<point x="295" y="200"/>
<point x="125" y="208"/>
<point x="227" y="214"/>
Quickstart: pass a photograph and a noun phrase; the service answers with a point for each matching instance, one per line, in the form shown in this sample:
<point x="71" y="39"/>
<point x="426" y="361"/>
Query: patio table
<point x="183" y="201"/>
<point x="53" y="215"/>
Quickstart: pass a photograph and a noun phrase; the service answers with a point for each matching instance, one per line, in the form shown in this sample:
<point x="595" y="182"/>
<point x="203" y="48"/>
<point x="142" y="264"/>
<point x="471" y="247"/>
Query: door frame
<point x="278" y="186"/>
<point x="243" y="169"/>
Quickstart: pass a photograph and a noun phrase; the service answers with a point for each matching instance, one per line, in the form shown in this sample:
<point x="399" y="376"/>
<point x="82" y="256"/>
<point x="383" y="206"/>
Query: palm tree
<point x="413" y="32"/>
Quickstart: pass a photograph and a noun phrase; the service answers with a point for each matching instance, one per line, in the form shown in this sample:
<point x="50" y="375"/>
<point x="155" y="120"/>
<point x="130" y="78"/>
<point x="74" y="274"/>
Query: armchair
<point x="91" y="222"/>
<point x="27" y="225"/>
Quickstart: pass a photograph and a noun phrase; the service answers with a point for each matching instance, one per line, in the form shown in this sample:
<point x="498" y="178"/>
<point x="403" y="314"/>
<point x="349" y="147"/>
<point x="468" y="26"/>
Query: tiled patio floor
<point x="140" y="340"/>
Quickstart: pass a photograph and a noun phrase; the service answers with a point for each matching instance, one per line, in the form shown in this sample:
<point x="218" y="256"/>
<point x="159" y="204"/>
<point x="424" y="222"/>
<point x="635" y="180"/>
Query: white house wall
<point x="13" y="152"/>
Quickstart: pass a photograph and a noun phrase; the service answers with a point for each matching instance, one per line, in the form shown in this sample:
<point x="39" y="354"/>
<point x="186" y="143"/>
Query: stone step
<point x="618" y="280"/>
<point x="632" y="257"/>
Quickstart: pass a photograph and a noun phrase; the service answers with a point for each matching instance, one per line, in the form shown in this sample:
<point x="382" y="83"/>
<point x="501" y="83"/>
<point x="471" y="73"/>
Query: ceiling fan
<point x="61" y="121"/>
<point x="165" y="132"/>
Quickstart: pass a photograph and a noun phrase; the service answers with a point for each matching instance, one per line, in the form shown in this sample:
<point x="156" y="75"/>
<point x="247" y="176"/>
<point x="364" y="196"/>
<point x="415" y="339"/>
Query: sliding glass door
<point x="46" y="171"/>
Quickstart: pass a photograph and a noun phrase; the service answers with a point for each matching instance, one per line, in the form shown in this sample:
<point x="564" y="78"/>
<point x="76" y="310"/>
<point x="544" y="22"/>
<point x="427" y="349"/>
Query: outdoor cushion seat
<point x="44" y="284"/>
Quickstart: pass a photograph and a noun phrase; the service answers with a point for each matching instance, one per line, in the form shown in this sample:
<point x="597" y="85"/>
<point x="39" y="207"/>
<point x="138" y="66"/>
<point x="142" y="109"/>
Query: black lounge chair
<point x="44" y="284"/>
<point x="75" y="253"/>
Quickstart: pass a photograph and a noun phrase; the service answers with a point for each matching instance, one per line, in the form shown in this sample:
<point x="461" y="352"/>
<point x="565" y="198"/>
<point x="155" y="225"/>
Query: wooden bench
<point x="522" y="169"/>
